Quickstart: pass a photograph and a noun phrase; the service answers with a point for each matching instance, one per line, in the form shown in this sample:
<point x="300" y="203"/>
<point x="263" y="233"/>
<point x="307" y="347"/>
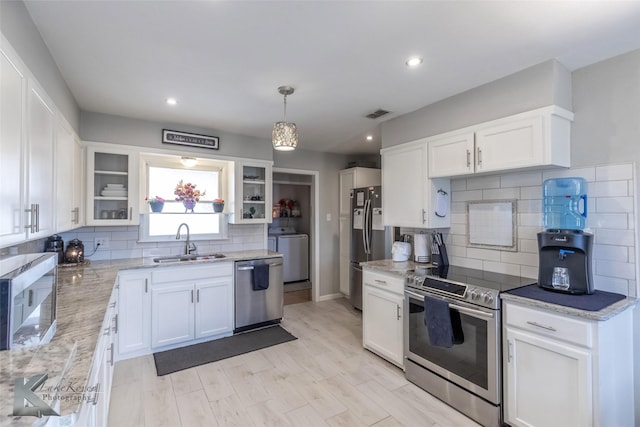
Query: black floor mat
<point x="198" y="354"/>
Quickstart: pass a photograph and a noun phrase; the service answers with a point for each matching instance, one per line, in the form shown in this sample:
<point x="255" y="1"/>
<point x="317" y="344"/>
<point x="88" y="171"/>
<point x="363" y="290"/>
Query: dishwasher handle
<point x="250" y="267"/>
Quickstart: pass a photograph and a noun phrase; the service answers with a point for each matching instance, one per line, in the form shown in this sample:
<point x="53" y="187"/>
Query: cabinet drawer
<point x="388" y="282"/>
<point x="191" y="272"/>
<point x="550" y="324"/>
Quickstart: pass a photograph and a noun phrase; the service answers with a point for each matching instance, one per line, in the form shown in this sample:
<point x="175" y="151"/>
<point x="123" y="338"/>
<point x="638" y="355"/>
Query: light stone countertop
<point x="83" y="294"/>
<point x="401" y="268"/>
<point x="604" y="314"/>
<point x="393" y="267"/>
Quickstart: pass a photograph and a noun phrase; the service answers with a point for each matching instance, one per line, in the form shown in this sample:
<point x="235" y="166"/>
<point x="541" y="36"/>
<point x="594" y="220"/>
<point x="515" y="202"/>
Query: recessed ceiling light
<point x="369" y="138"/>
<point x="171" y="101"/>
<point x="414" y="62"/>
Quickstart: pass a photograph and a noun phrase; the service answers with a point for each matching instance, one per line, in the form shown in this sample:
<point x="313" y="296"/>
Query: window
<point x="162" y="175"/>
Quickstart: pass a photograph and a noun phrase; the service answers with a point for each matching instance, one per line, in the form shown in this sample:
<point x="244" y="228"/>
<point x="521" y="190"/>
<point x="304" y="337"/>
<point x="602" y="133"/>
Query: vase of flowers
<point x="188" y="195"/>
<point x="155" y="203"/>
<point x="218" y="205"/>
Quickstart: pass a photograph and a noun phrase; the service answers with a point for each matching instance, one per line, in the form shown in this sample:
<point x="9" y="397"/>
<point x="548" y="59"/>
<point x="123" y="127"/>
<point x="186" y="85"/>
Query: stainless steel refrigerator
<point x="370" y="240"/>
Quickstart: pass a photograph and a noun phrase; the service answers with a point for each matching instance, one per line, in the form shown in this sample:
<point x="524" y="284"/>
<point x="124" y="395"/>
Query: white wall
<point x="143" y="133"/>
<point x="328" y="166"/>
<point x="538" y="86"/>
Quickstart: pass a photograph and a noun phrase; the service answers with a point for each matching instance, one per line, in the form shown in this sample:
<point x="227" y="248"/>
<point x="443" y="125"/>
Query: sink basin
<point x="180" y="258"/>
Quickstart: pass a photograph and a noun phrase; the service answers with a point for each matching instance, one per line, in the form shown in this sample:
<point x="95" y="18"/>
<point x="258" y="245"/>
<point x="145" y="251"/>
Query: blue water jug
<point x="564" y="203"/>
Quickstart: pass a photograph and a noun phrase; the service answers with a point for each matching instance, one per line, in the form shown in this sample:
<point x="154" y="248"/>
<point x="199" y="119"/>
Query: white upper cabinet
<point x="536" y="138"/>
<point x="409" y="197"/>
<point x="251" y="187"/>
<point x="69" y="178"/>
<point x="40" y="149"/>
<point x="112" y="186"/>
<point x="13" y="85"/>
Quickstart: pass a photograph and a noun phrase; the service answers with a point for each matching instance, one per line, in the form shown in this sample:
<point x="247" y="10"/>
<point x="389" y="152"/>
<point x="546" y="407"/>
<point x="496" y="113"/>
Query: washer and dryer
<point x="295" y="250"/>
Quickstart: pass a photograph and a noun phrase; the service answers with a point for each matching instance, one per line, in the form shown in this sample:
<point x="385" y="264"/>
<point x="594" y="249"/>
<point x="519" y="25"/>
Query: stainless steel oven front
<point x="467" y="375"/>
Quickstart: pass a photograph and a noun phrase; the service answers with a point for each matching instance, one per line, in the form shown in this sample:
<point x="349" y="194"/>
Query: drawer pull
<point x="536" y="324"/>
<point x="380" y="282"/>
<point x="397" y="312"/>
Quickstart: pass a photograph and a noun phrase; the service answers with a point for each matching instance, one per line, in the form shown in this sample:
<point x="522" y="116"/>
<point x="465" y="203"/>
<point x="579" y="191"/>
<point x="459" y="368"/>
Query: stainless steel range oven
<point x="467" y="374"/>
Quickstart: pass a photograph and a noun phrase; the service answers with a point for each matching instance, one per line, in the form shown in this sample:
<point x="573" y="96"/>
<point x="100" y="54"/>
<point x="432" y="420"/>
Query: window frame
<point x="173" y="162"/>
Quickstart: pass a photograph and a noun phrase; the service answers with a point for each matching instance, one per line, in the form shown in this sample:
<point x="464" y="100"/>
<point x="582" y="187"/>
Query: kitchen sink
<point x="180" y="258"/>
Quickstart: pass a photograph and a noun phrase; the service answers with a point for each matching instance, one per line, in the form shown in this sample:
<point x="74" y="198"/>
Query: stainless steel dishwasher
<point x="255" y="308"/>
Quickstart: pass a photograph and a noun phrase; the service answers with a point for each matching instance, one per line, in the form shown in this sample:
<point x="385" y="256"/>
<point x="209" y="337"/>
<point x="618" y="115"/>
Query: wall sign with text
<point x="191" y="139"/>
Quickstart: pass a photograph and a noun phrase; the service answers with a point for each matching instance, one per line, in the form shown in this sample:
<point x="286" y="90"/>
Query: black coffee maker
<point x="565" y="261"/>
<point x="55" y="244"/>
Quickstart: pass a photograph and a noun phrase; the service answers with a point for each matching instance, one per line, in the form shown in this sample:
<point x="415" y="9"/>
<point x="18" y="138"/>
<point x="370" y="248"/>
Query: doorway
<point x="295" y="199"/>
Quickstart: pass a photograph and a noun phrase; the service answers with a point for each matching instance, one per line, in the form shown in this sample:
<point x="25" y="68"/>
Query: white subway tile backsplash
<point x="611" y="218"/>
<point x="123" y="242"/>
<point x="530" y="206"/>
<point x="501" y="267"/>
<point x="485" y="254"/>
<point x="501" y="194"/>
<point x="614" y="237"/>
<point x="608" y="220"/>
<point x="483" y="182"/>
<point x="520" y="258"/>
<point x="611" y="284"/>
<point x="521" y="179"/>
<point x="614" y="172"/>
<point x="458" y="218"/>
<point x="530" y="219"/>
<point x="531" y="272"/>
<point x="611" y="253"/>
<point x="588" y="173"/>
<point x="528" y="246"/>
<point x="465" y="196"/>
<point x="533" y="193"/>
<point x="608" y="189"/>
<point x="622" y="270"/>
<point x="458" y="184"/>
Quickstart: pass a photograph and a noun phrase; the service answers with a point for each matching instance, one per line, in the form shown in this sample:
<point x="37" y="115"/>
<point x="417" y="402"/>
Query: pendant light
<point x="285" y="135"/>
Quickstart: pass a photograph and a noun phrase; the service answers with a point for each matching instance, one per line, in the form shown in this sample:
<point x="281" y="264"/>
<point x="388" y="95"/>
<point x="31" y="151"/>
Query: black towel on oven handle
<point x="260" y="277"/>
<point x="444" y="325"/>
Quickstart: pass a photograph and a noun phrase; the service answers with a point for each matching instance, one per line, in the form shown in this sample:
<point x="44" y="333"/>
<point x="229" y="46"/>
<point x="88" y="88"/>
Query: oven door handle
<point x="461" y="309"/>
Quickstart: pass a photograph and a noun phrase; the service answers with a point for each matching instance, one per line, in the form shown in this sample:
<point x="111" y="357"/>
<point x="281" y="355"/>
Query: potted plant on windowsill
<point x="155" y="203"/>
<point x="218" y="205"/>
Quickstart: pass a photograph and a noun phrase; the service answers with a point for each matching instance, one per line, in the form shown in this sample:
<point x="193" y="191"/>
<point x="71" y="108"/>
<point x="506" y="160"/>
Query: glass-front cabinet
<point x="112" y="187"/>
<point x="251" y="189"/>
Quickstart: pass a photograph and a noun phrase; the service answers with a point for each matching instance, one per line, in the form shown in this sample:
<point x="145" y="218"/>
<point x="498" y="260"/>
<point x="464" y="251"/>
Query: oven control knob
<point x="474" y="294"/>
<point x="487" y="297"/>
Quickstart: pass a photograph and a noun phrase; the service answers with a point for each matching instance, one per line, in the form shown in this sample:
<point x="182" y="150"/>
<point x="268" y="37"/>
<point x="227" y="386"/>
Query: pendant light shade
<point x="285" y="135"/>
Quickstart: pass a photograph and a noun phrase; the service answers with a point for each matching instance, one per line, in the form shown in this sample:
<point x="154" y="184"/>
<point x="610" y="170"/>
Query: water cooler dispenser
<point x="564" y="248"/>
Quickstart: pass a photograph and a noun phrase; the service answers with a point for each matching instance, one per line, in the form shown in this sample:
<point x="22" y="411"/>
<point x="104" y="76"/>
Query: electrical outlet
<point x="102" y="241"/>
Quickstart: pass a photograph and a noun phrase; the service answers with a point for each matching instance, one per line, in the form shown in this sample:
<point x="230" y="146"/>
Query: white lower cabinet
<point x="191" y="303"/>
<point x="95" y="411"/>
<point x="134" y="297"/>
<point x="561" y="370"/>
<point x="382" y="315"/>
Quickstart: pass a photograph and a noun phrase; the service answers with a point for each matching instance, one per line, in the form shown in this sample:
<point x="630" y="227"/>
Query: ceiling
<point x="224" y="60"/>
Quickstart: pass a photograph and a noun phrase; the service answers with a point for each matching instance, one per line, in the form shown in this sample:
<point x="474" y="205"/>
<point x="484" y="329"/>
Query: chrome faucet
<point x="189" y="246"/>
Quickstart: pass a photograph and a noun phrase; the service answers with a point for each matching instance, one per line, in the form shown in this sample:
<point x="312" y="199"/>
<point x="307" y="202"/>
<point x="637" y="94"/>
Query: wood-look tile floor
<point x="324" y="378"/>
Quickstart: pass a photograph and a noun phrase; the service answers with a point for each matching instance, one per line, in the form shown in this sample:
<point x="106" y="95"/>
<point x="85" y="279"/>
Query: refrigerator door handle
<point x="364" y="228"/>
<point x="367" y="226"/>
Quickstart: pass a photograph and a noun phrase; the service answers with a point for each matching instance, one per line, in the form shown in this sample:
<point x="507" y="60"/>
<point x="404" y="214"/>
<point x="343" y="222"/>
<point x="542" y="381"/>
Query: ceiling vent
<point x="377" y="113"/>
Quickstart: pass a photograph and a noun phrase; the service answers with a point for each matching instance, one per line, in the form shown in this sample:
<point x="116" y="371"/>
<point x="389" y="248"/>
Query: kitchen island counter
<point x="83" y="294"/>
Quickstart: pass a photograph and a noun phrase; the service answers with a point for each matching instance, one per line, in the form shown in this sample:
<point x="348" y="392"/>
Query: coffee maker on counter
<point x="564" y="248"/>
